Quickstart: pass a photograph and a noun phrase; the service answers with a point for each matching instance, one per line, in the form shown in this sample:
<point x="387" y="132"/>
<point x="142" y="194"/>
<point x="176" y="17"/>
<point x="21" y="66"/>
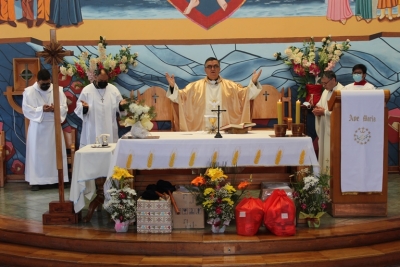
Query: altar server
<point x="38" y="107"/>
<point x="359" y="74"/>
<point x="199" y="98"/>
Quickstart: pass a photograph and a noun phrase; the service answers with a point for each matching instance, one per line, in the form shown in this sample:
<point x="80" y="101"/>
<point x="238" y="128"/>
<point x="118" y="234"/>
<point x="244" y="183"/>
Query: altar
<point x="173" y="151"/>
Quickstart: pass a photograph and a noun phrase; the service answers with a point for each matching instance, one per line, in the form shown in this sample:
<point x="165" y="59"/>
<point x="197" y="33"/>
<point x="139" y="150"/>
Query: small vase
<point x="218" y="229"/>
<point x="138" y="131"/>
<point x="313" y="222"/>
<point x="121" y="227"/>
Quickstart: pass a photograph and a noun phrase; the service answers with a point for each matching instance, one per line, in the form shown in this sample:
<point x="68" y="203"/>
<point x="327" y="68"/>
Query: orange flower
<point x="199" y="180"/>
<point x="243" y="185"/>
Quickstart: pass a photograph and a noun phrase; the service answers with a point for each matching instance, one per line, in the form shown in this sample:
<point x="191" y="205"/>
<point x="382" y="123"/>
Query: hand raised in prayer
<point x="170" y="79"/>
<point x="255" y="76"/>
<point x="84" y="104"/>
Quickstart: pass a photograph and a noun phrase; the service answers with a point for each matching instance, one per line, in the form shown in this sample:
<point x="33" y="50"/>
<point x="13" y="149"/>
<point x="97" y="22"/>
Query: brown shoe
<point x="2" y="21"/>
<point x="12" y="23"/>
<point x="39" y="22"/>
<point x="23" y="19"/>
<point x="29" y="23"/>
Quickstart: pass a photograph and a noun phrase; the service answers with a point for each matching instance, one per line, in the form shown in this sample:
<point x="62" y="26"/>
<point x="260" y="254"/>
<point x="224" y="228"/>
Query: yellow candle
<point x="279" y="106"/>
<point x="298" y="111"/>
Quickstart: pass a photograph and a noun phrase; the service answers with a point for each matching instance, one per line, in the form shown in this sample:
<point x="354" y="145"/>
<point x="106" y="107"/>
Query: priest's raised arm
<point x="199" y="98"/>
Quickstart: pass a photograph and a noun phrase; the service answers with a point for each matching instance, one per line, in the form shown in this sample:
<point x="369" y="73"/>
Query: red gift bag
<point x="249" y="214"/>
<point x="314" y="93"/>
<point x="280" y="214"/>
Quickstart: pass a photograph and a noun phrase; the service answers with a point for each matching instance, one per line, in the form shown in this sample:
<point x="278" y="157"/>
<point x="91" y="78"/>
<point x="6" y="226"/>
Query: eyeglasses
<point x="212" y="67"/>
<point x="325" y="83"/>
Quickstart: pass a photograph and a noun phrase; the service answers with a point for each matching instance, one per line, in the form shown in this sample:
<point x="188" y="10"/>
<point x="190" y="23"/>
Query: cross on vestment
<point x="26" y="75"/>
<point x="155" y="96"/>
<point x="266" y="95"/>
<point x="218" y="135"/>
<point x="54" y="54"/>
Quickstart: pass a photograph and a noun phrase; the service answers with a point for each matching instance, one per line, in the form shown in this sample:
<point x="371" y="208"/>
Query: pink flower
<point x="122" y="195"/>
<point x="218" y="210"/>
<point x="299" y="70"/>
<point x="330" y="66"/>
<point x="303" y="206"/>
<point x="323" y="206"/>
<point x="314" y="69"/>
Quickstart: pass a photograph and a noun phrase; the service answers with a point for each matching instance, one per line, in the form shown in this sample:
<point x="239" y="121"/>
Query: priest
<point x="323" y="119"/>
<point x="37" y="106"/>
<point x="201" y="97"/>
<point x="97" y="106"/>
<point x="359" y="74"/>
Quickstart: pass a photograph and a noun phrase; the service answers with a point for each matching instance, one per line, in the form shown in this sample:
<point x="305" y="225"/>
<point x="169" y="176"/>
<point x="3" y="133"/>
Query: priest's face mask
<point x="102" y="80"/>
<point x="212" y="69"/>
<point x="44" y="85"/>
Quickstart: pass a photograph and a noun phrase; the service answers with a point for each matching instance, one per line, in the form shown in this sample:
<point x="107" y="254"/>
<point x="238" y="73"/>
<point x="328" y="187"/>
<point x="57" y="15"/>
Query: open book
<point x="237" y="128"/>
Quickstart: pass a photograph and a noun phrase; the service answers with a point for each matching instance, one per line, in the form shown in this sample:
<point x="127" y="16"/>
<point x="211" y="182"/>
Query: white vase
<point x="121" y="227"/>
<point x="217" y="226"/>
<point x="138" y="131"/>
<point x="218" y="229"/>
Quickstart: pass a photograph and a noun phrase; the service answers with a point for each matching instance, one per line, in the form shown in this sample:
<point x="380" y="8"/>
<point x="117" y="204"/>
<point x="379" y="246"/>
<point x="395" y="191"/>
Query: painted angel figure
<point x="193" y="3"/>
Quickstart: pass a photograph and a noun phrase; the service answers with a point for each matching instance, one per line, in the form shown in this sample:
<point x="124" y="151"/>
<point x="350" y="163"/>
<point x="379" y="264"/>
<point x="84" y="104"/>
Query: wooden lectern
<point x="357" y="204"/>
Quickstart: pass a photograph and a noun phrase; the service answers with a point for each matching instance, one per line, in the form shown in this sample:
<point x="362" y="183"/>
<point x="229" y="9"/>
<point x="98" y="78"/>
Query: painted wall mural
<point x="238" y="61"/>
<point x="206" y="14"/>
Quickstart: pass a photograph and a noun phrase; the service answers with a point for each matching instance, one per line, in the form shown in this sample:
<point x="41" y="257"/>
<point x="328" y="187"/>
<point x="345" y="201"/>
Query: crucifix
<point x="155" y="96"/>
<point x="218" y="135"/>
<point x="26" y="75"/>
<point x="266" y="95"/>
<point x="61" y="211"/>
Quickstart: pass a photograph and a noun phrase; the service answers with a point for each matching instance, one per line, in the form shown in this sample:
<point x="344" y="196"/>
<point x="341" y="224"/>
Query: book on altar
<point x="238" y="128"/>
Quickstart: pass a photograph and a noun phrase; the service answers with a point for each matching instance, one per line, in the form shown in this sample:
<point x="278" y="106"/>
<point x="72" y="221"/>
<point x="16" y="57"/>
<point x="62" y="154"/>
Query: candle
<point x="298" y="111"/>
<point x="279" y="106"/>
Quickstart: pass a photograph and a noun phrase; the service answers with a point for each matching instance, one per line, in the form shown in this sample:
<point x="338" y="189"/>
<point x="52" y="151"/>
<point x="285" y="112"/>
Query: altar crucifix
<point x="60" y="212"/>
<point x="218" y="135"/>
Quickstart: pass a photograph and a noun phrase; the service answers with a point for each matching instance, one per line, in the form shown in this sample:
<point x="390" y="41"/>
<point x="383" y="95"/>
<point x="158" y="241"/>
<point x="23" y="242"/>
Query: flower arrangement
<point x="122" y="205"/>
<point x="86" y="67"/>
<point x="309" y="62"/>
<point x="137" y="111"/>
<point x="311" y="193"/>
<point x="217" y="196"/>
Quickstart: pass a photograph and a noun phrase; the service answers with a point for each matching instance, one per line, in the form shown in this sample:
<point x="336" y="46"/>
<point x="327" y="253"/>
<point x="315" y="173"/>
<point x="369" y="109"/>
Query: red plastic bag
<point x="314" y="93"/>
<point x="249" y="214"/>
<point x="280" y="214"/>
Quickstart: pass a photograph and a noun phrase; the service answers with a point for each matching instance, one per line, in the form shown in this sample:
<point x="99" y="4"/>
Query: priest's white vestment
<point x="323" y="129"/>
<point x="101" y="117"/>
<point x="41" y="162"/>
<point x="366" y="86"/>
<point x="199" y="98"/>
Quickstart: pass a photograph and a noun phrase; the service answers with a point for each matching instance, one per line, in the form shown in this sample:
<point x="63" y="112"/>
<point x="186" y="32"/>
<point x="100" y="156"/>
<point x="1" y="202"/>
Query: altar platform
<point x="25" y="241"/>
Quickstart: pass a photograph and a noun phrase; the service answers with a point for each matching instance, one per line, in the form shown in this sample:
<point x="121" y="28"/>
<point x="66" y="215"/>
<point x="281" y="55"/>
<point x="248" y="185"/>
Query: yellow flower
<point x="216" y="173"/>
<point x="208" y="191"/>
<point x="207" y="204"/>
<point x="228" y="200"/>
<point x="229" y="188"/>
<point x="120" y="173"/>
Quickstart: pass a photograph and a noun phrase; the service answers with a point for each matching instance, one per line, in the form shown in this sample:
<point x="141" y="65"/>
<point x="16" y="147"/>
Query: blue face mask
<point x="357" y="77"/>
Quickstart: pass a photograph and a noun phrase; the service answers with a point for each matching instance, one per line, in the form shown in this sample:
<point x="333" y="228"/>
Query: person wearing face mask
<point x="199" y="98"/>
<point x="38" y="107"/>
<point x="97" y="106"/>
<point x="323" y="119"/>
<point x="359" y="74"/>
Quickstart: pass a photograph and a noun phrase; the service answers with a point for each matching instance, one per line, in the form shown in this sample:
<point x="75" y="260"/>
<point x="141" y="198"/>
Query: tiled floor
<point x="16" y="200"/>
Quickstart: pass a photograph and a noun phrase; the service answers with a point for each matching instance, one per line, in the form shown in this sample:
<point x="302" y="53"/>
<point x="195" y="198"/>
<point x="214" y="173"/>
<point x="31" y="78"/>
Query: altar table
<point x="89" y="164"/>
<point x="186" y="150"/>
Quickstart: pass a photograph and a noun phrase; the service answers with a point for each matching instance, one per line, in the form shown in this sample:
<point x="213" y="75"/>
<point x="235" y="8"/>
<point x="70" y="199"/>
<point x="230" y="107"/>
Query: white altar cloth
<point x="183" y="150"/>
<point x="89" y="164"/>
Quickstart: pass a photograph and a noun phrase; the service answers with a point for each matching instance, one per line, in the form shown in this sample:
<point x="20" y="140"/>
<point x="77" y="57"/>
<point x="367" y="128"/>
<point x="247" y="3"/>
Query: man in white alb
<point x="359" y="73"/>
<point x="37" y="106"/>
<point x="199" y="98"/>
<point x="97" y="106"/>
<point x="323" y="119"/>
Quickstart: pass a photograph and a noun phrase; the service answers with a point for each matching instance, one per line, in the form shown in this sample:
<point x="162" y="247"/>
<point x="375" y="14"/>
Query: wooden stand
<point x="360" y="204"/>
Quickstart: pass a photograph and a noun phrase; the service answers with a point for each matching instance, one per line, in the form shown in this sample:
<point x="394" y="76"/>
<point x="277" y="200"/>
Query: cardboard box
<point x="268" y="187"/>
<point x="191" y="215"/>
<point x="154" y="216"/>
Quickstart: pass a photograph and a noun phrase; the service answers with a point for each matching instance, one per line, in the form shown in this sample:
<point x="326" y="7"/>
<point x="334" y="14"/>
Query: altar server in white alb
<point x="97" y="106"/>
<point x="38" y="107"/>
<point x="359" y="74"/>
<point x="199" y="98"/>
<point x="323" y="120"/>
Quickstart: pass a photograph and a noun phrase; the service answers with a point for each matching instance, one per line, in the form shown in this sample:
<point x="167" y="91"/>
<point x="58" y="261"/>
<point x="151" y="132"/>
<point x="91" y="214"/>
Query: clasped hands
<point x="48" y="108"/>
<point x="318" y="111"/>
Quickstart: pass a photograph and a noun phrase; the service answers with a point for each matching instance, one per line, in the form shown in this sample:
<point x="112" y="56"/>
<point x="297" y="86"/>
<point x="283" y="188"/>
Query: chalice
<point x="212" y="123"/>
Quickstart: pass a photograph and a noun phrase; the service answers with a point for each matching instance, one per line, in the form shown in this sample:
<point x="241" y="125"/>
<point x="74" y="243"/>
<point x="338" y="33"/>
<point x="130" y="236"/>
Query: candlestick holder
<point x="280" y="130"/>
<point x="297" y="129"/>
